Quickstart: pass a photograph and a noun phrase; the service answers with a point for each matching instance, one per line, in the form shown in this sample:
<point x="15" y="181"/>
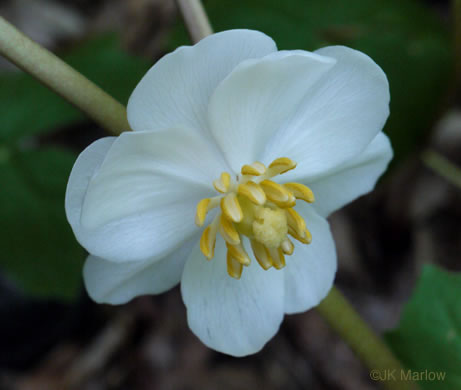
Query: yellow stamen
<point x="281" y="165"/>
<point x="262" y="254"/>
<point x="255" y="169"/>
<point x="208" y="239"/>
<point x="253" y="192"/>
<point x="231" y="208"/>
<point x="239" y="253"/>
<point x="254" y="206"/>
<point x="203" y="207"/>
<point x="295" y="221"/>
<point x="287" y="246"/>
<point x="305" y="237"/>
<point x="278" y="259"/>
<point x="300" y="191"/>
<point x="222" y="184"/>
<point x="234" y="268"/>
<point x="227" y="230"/>
<point x="278" y="194"/>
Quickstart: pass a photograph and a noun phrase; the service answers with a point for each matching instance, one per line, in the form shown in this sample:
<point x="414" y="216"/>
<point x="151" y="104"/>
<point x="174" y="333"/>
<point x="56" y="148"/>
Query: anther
<point x="222" y="184"/>
<point x="208" y="239"/>
<point x="295" y="222"/>
<point x="278" y="259"/>
<point x="281" y="165"/>
<point x="203" y="207"/>
<point x="234" y="267"/>
<point x="227" y="230"/>
<point x="278" y="194"/>
<point x="305" y="237"/>
<point x="300" y="191"/>
<point x="239" y="253"/>
<point x="231" y="208"/>
<point x="287" y="246"/>
<point x="253" y="192"/>
<point x="262" y="254"/>
<point x="255" y="169"/>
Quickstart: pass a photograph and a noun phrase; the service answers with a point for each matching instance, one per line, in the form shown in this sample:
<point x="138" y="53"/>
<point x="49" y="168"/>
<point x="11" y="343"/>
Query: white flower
<point x="216" y="125"/>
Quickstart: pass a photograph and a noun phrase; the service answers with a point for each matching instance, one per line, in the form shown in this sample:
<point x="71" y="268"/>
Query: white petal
<point x="340" y="115"/>
<point x="356" y="177"/>
<point x="256" y="98"/>
<point x="141" y="201"/>
<point x="88" y="162"/>
<point x="311" y="269"/>
<point x="117" y="283"/>
<point x="176" y="90"/>
<point x="236" y="317"/>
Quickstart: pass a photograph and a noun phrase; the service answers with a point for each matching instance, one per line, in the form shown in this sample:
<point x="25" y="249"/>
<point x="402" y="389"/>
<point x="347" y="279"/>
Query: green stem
<point x="443" y="167"/>
<point x="195" y="18"/>
<point x="62" y="79"/>
<point x="370" y="349"/>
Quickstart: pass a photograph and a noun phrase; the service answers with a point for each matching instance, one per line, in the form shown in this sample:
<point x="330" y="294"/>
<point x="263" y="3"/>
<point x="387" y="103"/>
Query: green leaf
<point x="39" y="251"/>
<point x="29" y="108"/>
<point x="403" y="37"/>
<point x="429" y="334"/>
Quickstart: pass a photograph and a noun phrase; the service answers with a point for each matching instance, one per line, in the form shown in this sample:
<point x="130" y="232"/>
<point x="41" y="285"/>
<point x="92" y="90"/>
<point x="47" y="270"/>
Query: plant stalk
<point x="383" y="366"/>
<point x="62" y="79"/>
<point x="195" y="18"/>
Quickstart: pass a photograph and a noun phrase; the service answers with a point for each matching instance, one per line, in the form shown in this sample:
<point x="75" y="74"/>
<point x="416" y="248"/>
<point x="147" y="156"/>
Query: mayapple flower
<point x="238" y="154"/>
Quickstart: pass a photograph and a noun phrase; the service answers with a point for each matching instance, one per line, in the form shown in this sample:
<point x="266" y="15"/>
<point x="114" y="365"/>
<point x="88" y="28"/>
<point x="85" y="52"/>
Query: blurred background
<point x="52" y="336"/>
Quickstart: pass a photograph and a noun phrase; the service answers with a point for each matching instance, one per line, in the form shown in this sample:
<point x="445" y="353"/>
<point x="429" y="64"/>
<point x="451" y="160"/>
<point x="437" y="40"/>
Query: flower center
<point x="258" y="208"/>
